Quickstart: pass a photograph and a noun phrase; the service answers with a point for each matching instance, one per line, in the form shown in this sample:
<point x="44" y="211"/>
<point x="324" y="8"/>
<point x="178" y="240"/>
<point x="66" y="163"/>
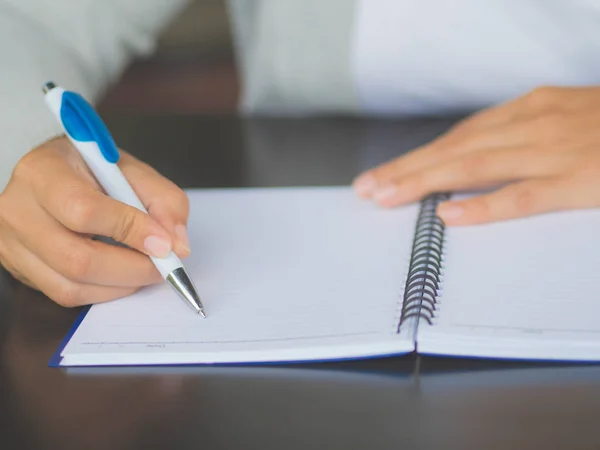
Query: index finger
<point x="165" y="201"/>
<point x="484" y="129"/>
<point x="83" y="209"/>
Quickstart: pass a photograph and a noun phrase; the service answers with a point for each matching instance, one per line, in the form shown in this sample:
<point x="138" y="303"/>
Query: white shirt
<point x="432" y="56"/>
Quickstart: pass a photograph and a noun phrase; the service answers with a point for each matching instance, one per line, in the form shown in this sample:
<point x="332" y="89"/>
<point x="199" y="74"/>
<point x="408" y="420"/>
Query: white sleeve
<point x="82" y="45"/>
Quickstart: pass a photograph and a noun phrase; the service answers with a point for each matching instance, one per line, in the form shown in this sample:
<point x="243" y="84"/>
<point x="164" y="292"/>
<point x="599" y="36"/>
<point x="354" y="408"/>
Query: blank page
<point x="526" y="288"/>
<point x="284" y="274"/>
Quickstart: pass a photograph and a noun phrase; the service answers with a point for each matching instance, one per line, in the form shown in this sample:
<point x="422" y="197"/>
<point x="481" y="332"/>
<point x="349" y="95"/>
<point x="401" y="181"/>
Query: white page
<point x="526" y="288"/>
<point x="290" y="273"/>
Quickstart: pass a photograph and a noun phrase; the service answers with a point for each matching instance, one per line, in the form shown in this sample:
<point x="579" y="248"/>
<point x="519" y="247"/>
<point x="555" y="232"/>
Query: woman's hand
<point x="543" y="149"/>
<point x="53" y="206"/>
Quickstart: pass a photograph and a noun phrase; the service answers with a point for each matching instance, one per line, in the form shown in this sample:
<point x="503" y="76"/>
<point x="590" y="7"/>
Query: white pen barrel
<point x="116" y="186"/>
<point x="110" y="176"/>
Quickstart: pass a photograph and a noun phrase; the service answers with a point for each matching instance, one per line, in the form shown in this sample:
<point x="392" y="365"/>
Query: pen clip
<point x="83" y="124"/>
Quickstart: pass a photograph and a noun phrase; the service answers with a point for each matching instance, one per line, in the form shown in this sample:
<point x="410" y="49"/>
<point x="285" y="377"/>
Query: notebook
<point x="304" y="274"/>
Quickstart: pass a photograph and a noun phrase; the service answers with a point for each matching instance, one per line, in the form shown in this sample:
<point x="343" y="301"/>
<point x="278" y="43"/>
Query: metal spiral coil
<point x="426" y="263"/>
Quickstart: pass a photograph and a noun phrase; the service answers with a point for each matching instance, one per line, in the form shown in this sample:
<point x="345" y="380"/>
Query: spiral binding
<point x="425" y="267"/>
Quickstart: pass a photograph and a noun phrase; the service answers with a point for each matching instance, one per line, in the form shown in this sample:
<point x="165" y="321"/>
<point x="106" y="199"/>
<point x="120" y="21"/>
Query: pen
<point x="88" y="134"/>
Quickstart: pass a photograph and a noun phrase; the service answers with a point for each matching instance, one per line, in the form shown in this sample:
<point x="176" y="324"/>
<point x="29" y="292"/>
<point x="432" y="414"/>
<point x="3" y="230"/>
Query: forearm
<point x="84" y="46"/>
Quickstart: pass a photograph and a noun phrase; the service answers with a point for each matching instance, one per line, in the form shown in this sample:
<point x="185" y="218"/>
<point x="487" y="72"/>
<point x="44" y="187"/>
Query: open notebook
<point x="305" y="274"/>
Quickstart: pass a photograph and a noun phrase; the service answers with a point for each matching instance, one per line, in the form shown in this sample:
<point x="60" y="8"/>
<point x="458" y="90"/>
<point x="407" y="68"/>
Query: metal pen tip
<point x="48" y="87"/>
<point x="182" y="284"/>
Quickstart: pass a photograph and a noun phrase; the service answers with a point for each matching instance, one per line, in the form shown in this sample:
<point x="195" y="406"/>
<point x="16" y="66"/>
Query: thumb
<point x="165" y="201"/>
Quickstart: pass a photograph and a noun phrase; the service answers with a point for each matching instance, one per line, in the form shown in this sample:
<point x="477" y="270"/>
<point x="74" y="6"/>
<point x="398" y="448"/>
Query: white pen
<point x="88" y="134"/>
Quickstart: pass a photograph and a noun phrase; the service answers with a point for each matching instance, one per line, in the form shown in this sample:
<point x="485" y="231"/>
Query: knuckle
<point x="3" y="251"/>
<point x="126" y="227"/>
<point x="76" y="263"/>
<point x="26" y="167"/>
<point x="68" y="295"/>
<point x="176" y="199"/>
<point x="541" y="96"/>
<point x="5" y="260"/>
<point x="474" y="165"/>
<point x="469" y="142"/>
<point x="182" y="201"/>
<point x="21" y="278"/>
<point x="450" y="144"/>
<point x="418" y="184"/>
<point x="9" y="263"/>
<point x="78" y="212"/>
<point x="524" y="199"/>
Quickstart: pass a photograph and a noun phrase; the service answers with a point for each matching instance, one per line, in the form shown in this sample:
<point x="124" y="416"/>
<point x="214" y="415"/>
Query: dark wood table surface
<point x="396" y="403"/>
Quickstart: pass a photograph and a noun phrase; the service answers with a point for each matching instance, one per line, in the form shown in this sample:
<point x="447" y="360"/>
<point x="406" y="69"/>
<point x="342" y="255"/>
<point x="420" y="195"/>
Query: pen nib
<point x="182" y="284"/>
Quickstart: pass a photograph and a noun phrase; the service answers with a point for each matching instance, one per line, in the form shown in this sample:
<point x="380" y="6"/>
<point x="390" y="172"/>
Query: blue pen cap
<point x="83" y="124"/>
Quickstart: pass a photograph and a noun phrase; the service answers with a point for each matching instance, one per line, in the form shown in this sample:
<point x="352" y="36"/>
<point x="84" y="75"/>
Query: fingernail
<point x="182" y="236"/>
<point x="384" y="194"/>
<point x="365" y="185"/>
<point x="450" y="211"/>
<point x="157" y="246"/>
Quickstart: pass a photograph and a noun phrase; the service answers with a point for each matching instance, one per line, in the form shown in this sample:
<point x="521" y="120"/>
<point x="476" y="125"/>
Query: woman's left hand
<point x="543" y="149"/>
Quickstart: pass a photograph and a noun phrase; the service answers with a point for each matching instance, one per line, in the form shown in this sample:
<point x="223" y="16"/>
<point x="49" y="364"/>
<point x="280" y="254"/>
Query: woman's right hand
<point x="51" y="209"/>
